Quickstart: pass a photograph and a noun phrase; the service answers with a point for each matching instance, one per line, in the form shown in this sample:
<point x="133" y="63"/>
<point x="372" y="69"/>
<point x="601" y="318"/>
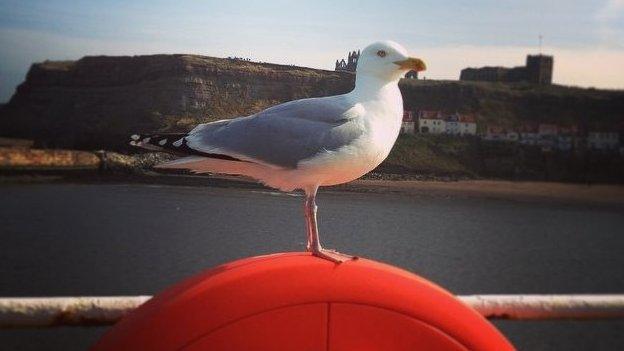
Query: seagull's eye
<point x="381" y="53"/>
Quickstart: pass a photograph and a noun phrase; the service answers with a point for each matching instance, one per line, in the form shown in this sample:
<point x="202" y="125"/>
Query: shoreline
<point x="532" y="191"/>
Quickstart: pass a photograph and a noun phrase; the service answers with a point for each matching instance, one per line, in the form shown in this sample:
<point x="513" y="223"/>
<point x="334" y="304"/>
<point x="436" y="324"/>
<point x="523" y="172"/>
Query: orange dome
<point x="294" y="301"/>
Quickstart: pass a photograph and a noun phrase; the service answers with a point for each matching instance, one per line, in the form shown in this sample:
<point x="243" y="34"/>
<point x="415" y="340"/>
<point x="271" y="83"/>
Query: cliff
<point x="96" y="102"/>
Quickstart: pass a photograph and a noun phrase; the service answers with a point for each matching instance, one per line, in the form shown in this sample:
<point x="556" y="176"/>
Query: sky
<point x="585" y="36"/>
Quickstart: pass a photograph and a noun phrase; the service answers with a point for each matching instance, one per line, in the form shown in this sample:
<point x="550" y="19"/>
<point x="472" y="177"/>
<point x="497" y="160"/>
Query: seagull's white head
<point x="387" y="60"/>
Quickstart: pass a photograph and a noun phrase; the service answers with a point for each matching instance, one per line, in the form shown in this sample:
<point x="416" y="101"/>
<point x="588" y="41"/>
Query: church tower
<point x="539" y="69"/>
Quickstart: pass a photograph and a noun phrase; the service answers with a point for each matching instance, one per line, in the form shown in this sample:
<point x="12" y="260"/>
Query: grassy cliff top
<point x="186" y="62"/>
<point x="511" y="104"/>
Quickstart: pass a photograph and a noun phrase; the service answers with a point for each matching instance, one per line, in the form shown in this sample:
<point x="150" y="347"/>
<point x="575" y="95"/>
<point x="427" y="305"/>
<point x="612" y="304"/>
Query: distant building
<point x="487" y="74"/>
<point x="538" y="70"/>
<point x="436" y="122"/>
<point x="547" y="136"/>
<point x="452" y="125"/>
<point x="567" y="138"/>
<point x="460" y="124"/>
<point x="512" y="136"/>
<point x="351" y="64"/>
<point x="431" y="122"/>
<point x="545" y="129"/>
<point x="528" y="134"/>
<point x="408" y="125"/>
<point x="498" y="133"/>
<point x="495" y="133"/>
<point x="603" y="141"/>
<point x="413" y="74"/>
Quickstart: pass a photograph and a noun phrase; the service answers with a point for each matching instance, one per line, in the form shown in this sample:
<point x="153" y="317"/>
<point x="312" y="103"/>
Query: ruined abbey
<point x="350" y="64"/>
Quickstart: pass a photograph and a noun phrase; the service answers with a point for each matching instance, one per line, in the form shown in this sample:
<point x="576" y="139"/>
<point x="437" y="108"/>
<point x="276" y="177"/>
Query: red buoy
<point x="294" y="301"/>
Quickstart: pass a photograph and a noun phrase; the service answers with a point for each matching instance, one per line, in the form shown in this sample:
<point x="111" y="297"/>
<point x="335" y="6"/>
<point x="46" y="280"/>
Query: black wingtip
<point x="158" y="142"/>
<point x="174" y="143"/>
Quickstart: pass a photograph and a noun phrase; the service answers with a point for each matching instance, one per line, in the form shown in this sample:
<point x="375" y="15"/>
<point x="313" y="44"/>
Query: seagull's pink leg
<point x="314" y="244"/>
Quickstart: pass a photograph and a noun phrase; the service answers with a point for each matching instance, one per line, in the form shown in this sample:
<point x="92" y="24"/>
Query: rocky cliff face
<point x="96" y="102"/>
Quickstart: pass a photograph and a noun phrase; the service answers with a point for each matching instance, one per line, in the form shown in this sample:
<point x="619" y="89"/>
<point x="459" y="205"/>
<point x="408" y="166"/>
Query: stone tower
<point x="539" y="69"/>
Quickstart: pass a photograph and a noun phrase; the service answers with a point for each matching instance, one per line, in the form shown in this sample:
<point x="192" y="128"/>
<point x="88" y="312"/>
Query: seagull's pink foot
<point x="333" y="255"/>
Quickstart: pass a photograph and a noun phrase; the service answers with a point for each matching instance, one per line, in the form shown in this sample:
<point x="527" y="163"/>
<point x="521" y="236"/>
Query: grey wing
<point x="285" y="134"/>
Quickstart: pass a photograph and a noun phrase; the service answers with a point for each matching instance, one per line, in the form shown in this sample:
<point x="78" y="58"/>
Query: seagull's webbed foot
<point x="333" y="255"/>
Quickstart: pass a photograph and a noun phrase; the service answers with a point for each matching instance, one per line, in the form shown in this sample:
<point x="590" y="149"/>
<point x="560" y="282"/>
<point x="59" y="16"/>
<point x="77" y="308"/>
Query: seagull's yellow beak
<point x="412" y="63"/>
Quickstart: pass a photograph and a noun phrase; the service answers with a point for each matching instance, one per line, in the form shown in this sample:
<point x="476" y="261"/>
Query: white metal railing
<point x="31" y="312"/>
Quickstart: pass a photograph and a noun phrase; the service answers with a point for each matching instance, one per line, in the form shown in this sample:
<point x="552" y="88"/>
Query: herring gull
<point x="307" y="143"/>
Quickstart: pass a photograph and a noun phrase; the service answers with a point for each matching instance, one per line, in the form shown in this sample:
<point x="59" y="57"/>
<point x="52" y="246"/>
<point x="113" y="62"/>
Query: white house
<point x="467" y="125"/>
<point x="603" y="140"/>
<point x="431" y="122"/>
<point x="408" y="124"/>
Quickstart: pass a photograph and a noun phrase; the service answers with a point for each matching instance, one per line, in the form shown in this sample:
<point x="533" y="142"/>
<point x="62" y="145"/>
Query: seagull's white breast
<point x="381" y="123"/>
